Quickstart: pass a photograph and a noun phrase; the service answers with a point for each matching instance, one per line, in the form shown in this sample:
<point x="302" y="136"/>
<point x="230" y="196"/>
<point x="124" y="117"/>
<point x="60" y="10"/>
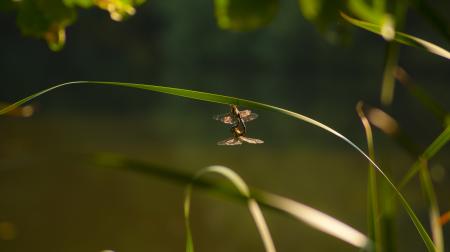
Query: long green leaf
<point x="388" y="84"/>
<point x="243" y="189"/>
<point x="434" y="212"/>
<point x="382" y="120"/>
<point x="306" y="214"/>
<point x="389" y="26"/>
<point x="372" y="191"/>
<point x="432" y="149"/>
<point x="400" y="37"/>
<point x="215" y="98"/>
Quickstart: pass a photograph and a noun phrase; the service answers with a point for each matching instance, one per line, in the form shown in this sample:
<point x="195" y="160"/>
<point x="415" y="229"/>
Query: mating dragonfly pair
<point x="237" y="119"/>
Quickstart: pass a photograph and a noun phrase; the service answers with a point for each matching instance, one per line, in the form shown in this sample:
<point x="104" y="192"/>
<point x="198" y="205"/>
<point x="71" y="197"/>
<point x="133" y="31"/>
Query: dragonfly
<point x="238" y="128"/>
<point x="234" y="115"/>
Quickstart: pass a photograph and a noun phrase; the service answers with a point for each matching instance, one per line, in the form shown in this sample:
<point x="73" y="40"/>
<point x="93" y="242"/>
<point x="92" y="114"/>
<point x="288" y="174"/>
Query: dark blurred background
<point x="53" y="198"/>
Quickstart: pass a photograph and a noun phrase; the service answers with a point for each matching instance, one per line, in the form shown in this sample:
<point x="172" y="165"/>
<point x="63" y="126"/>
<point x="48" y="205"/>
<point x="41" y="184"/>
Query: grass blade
<point x="388" y="84"/>
<point x="24" y="111"/>
<point x="422" y="166"/>
<point x="388" y="28"/>
<point x="222" y="99"/>
<point x="372" y="195"/>
<point x="400" y="37"/>
<point x="363" y="10"/>
<point x="429" y="152"/>
<point x="308" y="215"/>
<point x="315" y="219"/>
<point x="243" y="189"/>
<point x="434" y="213"/>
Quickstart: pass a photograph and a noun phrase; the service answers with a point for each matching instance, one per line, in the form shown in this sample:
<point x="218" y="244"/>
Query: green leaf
<point x="243" y="189"/>
<point x="372" y="188"/>
<point x="389" y="25"/>
<point x="429" y="152"/>
<point x="434" y="212"/>
<point x="391" y="128"/>
<point x="301" y="212"/>
<point x="222" y="99"/>
<point x="363" y="10"/>
<point x="46" y="19"/>
<point x="400" y="37"/>
<point x="244" y="15"/>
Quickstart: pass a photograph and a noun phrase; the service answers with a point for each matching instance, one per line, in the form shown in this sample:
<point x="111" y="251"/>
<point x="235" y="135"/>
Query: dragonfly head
<point x="234" y="110"/>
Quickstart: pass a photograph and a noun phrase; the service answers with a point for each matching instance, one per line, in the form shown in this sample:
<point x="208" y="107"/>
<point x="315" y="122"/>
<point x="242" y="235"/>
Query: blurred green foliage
<point x="242" y="15"/>
<point x="48" y="19"/>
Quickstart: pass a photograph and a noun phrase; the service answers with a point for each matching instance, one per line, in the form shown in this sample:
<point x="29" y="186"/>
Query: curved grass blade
<point x="388" y="27"/>
<point x="372" y="195"/>
<point x="315" y="219"/>
<point x="432" y="149"/>
<point x="306" y="214"/>
<point x="25" y="111"/>
<point x="400" y="37"/>
<point x="243" y="189"/>
<point x="422" y="166"/>
<point x="434" y="213"/>
<point x="222" y="99"/>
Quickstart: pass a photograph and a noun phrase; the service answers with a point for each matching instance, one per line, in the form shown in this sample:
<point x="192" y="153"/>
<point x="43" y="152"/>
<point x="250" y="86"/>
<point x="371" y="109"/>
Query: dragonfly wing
<point x="248" y="115"/>
<point x="251" y="140"/>
<point x="225" y="118"/>
<point x="230" y="141"/>
<point x="244" y="113"/>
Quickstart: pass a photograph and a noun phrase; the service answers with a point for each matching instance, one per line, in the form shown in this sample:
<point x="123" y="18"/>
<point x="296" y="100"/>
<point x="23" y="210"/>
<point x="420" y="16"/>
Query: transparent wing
<point x="248" y="115"/>
<point x="230" y="141"/>
<point x="251" y="140"/>
<point x="245" y="113"/>
<point x="225" y="118"/>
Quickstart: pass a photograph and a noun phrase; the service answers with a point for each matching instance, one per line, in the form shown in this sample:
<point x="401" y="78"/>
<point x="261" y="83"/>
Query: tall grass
<point x="216" y="98"/>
